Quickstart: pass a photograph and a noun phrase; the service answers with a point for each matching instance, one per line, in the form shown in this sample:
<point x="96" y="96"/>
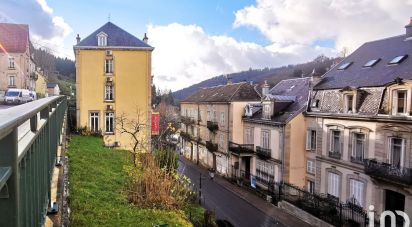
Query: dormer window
<point x="102" y="39"/>
<point x="315" y="103"/>
<point x="400" y="101"/>
<point x="349" y="103"/>
<point x="266" y="111"/>
<point x="344" y="66"/>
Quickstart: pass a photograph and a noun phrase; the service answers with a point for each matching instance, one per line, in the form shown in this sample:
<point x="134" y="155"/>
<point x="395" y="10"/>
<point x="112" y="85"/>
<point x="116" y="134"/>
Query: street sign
<point x="253" y="181"/>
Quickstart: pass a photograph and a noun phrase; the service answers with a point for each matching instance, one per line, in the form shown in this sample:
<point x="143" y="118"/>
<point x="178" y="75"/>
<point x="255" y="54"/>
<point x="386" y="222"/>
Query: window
<point x="311" y="186"/>
<point x="344" y="66"/>
<point x="371" y="63"/>
<point x="356" y="192"/>
<point x="400" y="100"/>
<point x="12" y="81"/>
<point x="335" y="141"/>
<point x="11" y="63"/>
<point x="315" y="103"/>
<point x="333" y="184"/>
<point x="248" y="136"/>
<point x="265" y="139"/>
<point x="108" y="92"/>
<point x="222" y="141"/>
<point x="348" y="103"/>
<point x="397" y="146"/>
<point x="108" y="66"/>
<point x="310" y="166"/>
<point x="94" y="121"/>
<point x="265" y="172"/>
<point x="398" y="59"/>
<point x="222" y="118"/>
<point x="311" y="140"/>
<point x="109" y="122"/>
<point x="214" y="116"/>
<point x="358" y="147"/>
<point x="102" y="39"/>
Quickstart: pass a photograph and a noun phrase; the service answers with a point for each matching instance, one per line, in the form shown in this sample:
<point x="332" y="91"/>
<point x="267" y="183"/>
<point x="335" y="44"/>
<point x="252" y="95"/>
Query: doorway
<point x="394" y="201"/>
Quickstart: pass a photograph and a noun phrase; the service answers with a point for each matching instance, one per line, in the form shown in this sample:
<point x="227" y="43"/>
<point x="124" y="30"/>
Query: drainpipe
<point x="198" y="132"/>
<point x="228" y="134"/>
<point x="283" y="154"/>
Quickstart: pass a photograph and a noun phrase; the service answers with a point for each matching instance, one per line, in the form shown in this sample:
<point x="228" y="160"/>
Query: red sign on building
<point x="155" y="123"/>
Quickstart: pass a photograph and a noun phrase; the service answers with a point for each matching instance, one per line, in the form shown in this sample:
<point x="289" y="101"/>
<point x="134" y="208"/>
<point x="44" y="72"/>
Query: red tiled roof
<point x="13" y="37"/>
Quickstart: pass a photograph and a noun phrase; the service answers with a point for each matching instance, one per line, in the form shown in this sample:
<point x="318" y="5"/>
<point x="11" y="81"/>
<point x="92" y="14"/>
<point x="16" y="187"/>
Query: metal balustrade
<point x="27" y="158"/>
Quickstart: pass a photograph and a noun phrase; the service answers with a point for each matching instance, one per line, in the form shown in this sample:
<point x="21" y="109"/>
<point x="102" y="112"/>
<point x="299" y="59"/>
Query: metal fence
<point x="29" y="156"/>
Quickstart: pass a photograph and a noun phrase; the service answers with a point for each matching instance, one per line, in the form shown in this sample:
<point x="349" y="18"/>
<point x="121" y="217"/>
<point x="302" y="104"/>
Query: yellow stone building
<point x="41" y="85"/>
<point x="113" y="79"/>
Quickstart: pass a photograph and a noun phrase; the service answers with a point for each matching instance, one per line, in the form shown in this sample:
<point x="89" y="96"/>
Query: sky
<point x="197" y="40"/>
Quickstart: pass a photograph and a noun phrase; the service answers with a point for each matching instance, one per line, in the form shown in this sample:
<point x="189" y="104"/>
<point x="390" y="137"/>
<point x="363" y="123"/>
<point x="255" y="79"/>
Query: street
<point x="226" y="204"/>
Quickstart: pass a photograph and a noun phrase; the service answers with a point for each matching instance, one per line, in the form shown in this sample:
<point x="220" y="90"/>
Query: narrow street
<point x="226" y="204"/>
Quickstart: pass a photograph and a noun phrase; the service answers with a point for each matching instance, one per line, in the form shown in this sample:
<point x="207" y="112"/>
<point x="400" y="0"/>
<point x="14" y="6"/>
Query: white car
<point x="17" y="96"/>
<point x="33" y="95"/>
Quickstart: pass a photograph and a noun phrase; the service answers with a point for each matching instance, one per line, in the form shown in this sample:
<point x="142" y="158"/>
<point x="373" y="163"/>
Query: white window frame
<point x="265" y="139"/>
<point x="390" y="153"/>
<point x="354" y="144"/>
<point x="356" y="190"/>
<point x="12" y="64"/>
<point x="248" y="136"/>
<point x="222" y="141"/>
<point x="12" y="80"/>
<point x="109" y="126"/>
<point x="310" y="186"/>
<point x="214" y="116"/>
<point x="332" y="141"/>
<point x="108" y="66"/>
<point x="395" y="97"/>
<point x="94" y="121"/>
<point x="222" y="118"/>
<point x="349" y="107"/>
<point x="102" y="40"/>
<point x="109" y="92"/>
<point x="310" y="166"/>
<point x="334" y="184"/>
<point x="311" y="139"/>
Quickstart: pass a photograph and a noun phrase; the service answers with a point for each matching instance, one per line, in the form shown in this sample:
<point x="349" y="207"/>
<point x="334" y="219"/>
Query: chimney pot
<point x="145" y="39"/>
<point x="408" y="29"/>
<point x="265" y="88"/>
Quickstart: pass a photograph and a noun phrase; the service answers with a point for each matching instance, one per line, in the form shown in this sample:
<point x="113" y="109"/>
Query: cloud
<point x="302" y="22"/>
<point x="46" y="29"/>
<point x="187" y="55"/>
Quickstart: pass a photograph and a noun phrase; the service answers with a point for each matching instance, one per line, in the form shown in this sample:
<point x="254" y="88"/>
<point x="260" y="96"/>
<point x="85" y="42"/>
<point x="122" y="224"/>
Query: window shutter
<point x="328" y="141"/>
<point x="351" y="145"/>
<point x="308" y="140"/>
<point x="394" y="102"/>
<point x="341" y="141"/>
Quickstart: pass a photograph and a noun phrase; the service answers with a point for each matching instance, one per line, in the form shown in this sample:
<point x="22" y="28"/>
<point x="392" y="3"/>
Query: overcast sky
<point x="196" y="40"/>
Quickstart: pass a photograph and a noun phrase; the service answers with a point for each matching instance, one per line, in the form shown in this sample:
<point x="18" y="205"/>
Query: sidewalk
<point x="269" y="209"/>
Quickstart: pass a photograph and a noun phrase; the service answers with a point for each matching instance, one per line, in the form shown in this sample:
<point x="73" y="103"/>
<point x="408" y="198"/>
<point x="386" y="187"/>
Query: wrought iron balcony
<point x="212" y="126"/>
<point x="263" y="153"/>
<point x="358" y="160"/>
<point x="186" y="136"/>
<point x="388" y="172"/>
<point x="335" y="155"/>
<point x="241" y="148"/>
<point x="212" y="147"/>
<point x="187" y="120"/>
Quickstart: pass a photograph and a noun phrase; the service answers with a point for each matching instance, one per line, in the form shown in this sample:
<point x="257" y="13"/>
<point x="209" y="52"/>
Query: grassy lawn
<point x="97" y="181"/>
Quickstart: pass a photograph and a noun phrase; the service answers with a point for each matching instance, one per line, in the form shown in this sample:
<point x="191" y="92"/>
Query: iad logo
<point x="392" y="216"/>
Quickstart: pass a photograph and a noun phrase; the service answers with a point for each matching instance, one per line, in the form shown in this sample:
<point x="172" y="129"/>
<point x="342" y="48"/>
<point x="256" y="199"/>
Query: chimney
<point x="265" y="88"/>
<point x="315" y="77"/>
<point x="229" y="80"/>
<point x="145" y="39"/>
<point x="78" y="39"/>
<point x="408" y="29"/>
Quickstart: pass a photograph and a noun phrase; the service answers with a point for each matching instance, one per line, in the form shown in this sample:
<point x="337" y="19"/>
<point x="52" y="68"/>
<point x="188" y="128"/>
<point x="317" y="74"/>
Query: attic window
<point x="102" y="39"/>
<point x="345" y="65"/>
<point x="398" y="59"/>
<point x="371" y="63"/>
<point x="315" y="103"/>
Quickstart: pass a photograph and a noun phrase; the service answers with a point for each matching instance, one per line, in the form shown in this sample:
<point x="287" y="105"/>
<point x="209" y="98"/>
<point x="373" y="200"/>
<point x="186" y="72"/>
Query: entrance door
<point x="394" y="201"/>
<point x="247" y="167"/>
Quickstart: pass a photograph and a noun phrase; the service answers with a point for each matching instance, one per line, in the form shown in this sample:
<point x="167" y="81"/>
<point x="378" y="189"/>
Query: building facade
<point x="359" y="127"/>
<point x="113" y="79"/>
<point x="16" y="66"/>
<point x="210" y="119"/>
<point x="274" y="129"/>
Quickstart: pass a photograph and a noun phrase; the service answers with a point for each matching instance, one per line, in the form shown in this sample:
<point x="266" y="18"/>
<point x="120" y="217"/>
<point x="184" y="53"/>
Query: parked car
<point x="17" y="96"/>
<point x="33" y="95"/>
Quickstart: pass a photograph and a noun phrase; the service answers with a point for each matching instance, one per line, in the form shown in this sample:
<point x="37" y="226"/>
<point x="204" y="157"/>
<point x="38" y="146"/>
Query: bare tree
<point x="169" y="118"/>
<point x="133" y="126"/>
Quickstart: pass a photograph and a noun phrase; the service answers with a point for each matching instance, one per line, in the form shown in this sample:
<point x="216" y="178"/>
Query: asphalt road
<point x="2" y="106"/>
<point x="224" y="203"/>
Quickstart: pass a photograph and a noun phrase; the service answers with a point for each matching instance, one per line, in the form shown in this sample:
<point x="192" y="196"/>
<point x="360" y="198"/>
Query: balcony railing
<point x="29" y="138"/>
<point x="187" y="120"/>
<point x="186" y="136"/>
<point x="357" y="160"/>
<point x="388" y="172"/>
<point x="335" y="155"/>
<point x="212" y="126"/>
<point x="212" y="147"/>
<point x="263" y="153"/>
<point x="241" y="148"/>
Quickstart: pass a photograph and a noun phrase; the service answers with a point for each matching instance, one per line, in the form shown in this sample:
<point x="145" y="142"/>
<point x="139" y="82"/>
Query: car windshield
<point x="12" y="93"/>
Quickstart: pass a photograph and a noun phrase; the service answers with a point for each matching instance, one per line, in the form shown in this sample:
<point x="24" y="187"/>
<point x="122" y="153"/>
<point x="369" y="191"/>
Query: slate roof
<point x="51" y="85"/>
<point x="283" y="94"/>
<point x="14" y="38"/>
<point x="116" y="37"/>
<point x="225" y="93"/>
<point x="378" y="75"/>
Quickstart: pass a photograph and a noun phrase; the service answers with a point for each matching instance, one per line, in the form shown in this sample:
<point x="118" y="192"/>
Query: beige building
<point x="16" y="66"/>
<point x="273" y="133"/>
<point x="41" y="85"/>
<point x="210" y="119"/>
<point x="359" y="127"/>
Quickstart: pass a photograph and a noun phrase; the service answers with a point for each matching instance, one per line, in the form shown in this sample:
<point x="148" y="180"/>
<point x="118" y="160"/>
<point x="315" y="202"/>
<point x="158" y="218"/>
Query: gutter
<point x="391" y="119"/>
<point x="111" y="47"/>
